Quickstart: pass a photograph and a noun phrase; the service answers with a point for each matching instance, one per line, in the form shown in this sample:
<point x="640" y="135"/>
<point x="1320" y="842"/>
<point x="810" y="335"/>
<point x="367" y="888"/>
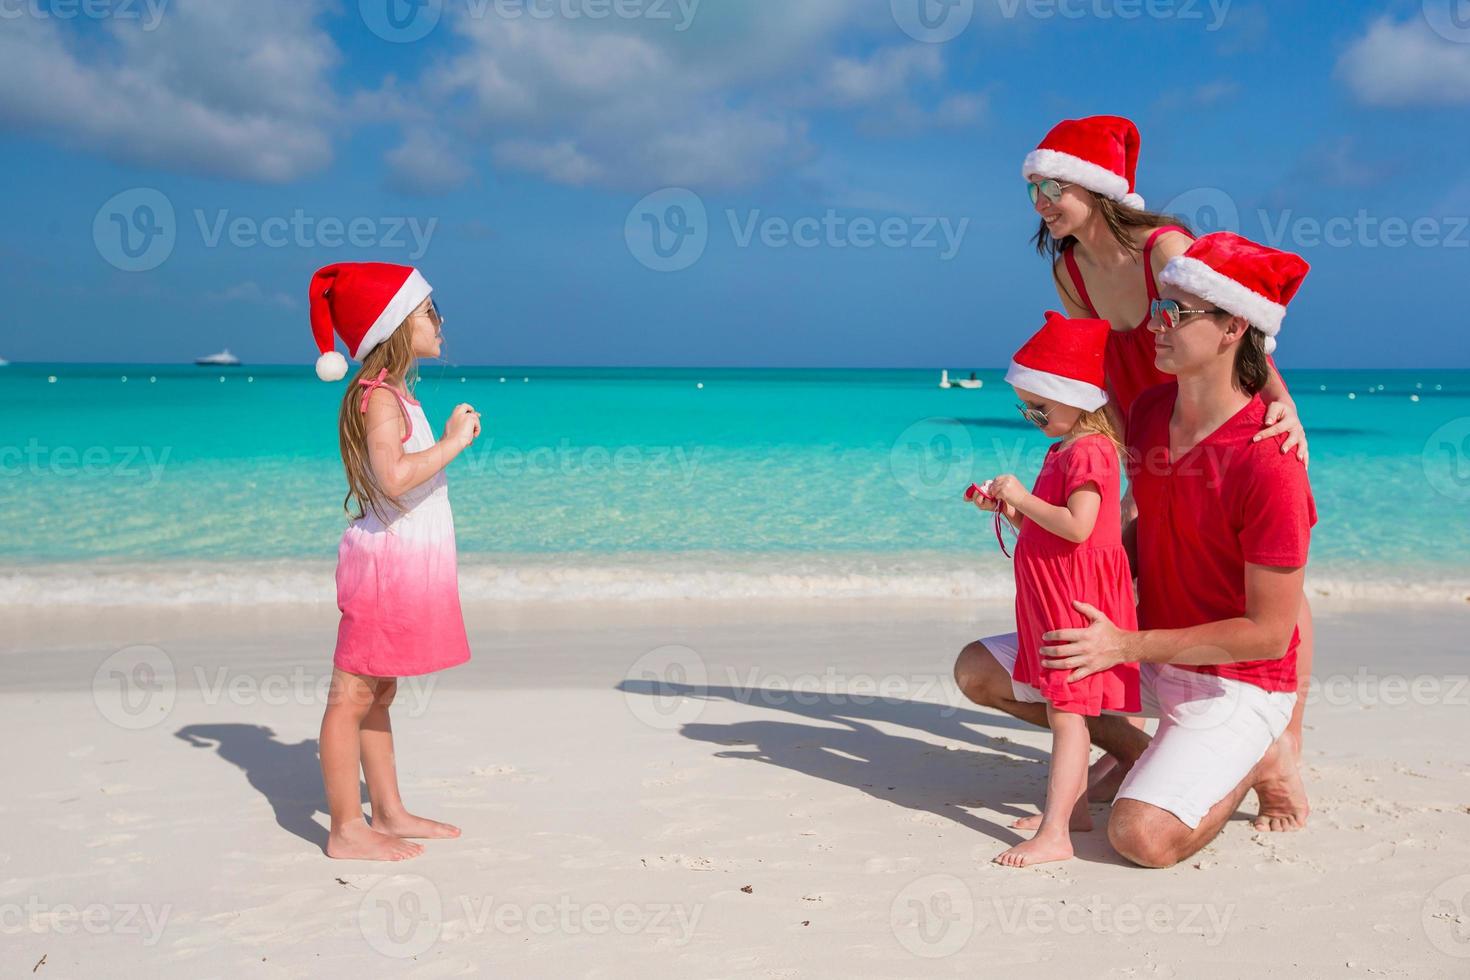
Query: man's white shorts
<point x="1212" y="731"/>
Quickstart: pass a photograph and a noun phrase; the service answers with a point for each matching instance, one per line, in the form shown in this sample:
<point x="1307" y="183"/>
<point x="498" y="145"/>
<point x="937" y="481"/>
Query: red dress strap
<point x="1076" y="275"/>
<point x="1148" y="264"/>
<point x="381" y="381"/>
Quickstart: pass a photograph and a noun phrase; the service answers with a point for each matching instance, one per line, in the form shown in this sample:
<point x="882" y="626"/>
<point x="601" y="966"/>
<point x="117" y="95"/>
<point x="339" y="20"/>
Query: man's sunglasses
<point x="1169" y="314"/>
<point x="1048" y="187"/>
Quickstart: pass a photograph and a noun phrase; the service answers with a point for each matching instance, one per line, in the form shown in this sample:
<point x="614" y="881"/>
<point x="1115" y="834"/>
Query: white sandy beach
<point x="642" y="795"/>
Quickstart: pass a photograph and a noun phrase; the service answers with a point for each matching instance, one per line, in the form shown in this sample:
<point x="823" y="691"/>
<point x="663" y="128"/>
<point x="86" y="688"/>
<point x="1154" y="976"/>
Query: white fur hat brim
<point x="1068" y="391"/>
<point x="1194" y="276"/>
<point x="1075" y="170"/>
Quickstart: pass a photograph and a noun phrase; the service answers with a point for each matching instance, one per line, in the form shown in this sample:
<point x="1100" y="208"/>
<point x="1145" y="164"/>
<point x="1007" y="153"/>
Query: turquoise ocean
<point x="146" y="484"/>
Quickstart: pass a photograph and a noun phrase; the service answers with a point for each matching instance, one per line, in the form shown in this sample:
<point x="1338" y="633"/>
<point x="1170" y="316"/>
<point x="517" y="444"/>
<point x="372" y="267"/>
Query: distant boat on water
<point x="4" y="362"/>
<point x="970" y="382"/>
<point x="223" y="359"/>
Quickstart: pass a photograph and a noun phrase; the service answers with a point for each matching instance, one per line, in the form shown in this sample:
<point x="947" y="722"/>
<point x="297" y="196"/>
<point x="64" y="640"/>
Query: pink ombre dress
<point x="398" y="583"/>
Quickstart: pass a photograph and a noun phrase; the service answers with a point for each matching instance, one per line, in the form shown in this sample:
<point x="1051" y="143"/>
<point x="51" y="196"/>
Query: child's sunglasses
<point x="1169" y="314"/>
<point x="1035" y="416"/>
<point x="1047" y="186"/>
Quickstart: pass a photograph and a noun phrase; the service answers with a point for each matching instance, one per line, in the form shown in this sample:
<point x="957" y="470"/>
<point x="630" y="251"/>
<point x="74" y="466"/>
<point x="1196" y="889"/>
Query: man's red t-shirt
<point x="1202" y="518"/>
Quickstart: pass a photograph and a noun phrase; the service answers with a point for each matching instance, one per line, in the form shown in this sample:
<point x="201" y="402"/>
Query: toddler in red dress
<point x="1069" y="557"/>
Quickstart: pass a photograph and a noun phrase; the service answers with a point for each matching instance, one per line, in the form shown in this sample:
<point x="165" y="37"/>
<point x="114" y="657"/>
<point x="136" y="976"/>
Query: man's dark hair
<point x="1252" y="368"/>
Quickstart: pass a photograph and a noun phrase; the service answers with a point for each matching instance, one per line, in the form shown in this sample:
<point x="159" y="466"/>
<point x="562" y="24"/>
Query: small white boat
<point x="223" y="359"/>
<point x="4" y="362"/>
<point x="970" y="382"/>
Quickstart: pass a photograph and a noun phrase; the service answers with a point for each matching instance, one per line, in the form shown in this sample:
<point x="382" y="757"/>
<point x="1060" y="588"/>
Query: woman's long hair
<point x="1121" y="220"/>
<point x="396" y="355"/>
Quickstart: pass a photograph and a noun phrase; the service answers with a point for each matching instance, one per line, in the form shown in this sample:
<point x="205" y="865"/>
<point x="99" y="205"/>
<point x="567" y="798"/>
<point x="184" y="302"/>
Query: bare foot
<point x="357" y="841"/>
<point x="1081" y="819"/>
<point x="1279" y="787"/>
<point x="405" y="824"/>
<point x="1037" y="850"/>
<point x="1104" y="778"/>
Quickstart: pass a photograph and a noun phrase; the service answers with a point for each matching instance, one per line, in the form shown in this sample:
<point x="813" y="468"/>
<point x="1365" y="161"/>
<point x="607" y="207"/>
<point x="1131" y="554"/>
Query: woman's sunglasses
<point x="1052" y="189"/>
<point x="1035" y="416"/>
<point x="1169" y="314"/>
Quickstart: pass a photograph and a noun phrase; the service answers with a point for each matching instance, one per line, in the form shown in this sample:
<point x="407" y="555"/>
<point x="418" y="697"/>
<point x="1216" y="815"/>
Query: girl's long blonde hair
<point x="396" y="355"/>
<point x="1099" y="422"/>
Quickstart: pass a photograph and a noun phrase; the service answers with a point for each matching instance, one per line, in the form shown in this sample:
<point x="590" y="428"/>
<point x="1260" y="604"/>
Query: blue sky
<point x="511" y="150"/>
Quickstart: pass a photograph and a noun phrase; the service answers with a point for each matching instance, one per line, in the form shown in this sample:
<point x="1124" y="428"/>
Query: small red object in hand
<point x="973" y="491"/>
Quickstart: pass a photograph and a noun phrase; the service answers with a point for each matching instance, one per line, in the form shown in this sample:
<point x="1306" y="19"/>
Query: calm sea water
<point x="617" y="483"/>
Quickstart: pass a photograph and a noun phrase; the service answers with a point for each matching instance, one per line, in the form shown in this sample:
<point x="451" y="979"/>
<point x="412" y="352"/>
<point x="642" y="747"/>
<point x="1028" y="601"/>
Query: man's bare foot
<point x="405" y="824"/>
<point x="1037" y="850"/>
<point x="1104" y="778"/>
<point x="357" y="841"/>
<point x="1081" y="819"/>
<point x="1279" y="788"/>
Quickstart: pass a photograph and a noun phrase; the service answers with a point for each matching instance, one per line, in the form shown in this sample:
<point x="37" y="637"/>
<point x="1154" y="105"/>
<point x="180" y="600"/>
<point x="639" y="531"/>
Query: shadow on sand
<point x="847" y="748"/>
<point x="289" y="776"/>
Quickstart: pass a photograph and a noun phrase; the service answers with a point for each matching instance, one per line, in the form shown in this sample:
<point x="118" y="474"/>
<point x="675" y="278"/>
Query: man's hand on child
<point x="1087" y="651"/>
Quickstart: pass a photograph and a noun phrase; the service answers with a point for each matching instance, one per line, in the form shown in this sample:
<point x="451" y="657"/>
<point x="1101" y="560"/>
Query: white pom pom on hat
<point x="331" y="366"/>
<point x="363" y="303"/>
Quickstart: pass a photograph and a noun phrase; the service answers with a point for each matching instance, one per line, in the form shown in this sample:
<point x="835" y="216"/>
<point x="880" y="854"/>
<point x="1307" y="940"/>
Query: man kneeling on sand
<point x="1222" y="534"/>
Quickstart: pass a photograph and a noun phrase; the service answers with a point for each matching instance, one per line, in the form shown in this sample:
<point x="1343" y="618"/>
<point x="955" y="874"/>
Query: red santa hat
<point x="363" y="303"/>
<point x="1099" y="153"/>
<point x="1240" y="277"/>
<point x="1064" y="362"/>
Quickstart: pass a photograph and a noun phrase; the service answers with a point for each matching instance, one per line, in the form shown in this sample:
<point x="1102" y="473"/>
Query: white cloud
<point x="233" y="89"/>
<point x="1403" y="64"/>
<point x="632" y="105"/>
<point x="250" y="291"/>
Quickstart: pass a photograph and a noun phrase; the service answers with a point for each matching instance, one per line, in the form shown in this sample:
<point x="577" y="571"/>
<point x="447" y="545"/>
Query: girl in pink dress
<point x="397" y="584"/>
<point x="1069" y="554"/>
